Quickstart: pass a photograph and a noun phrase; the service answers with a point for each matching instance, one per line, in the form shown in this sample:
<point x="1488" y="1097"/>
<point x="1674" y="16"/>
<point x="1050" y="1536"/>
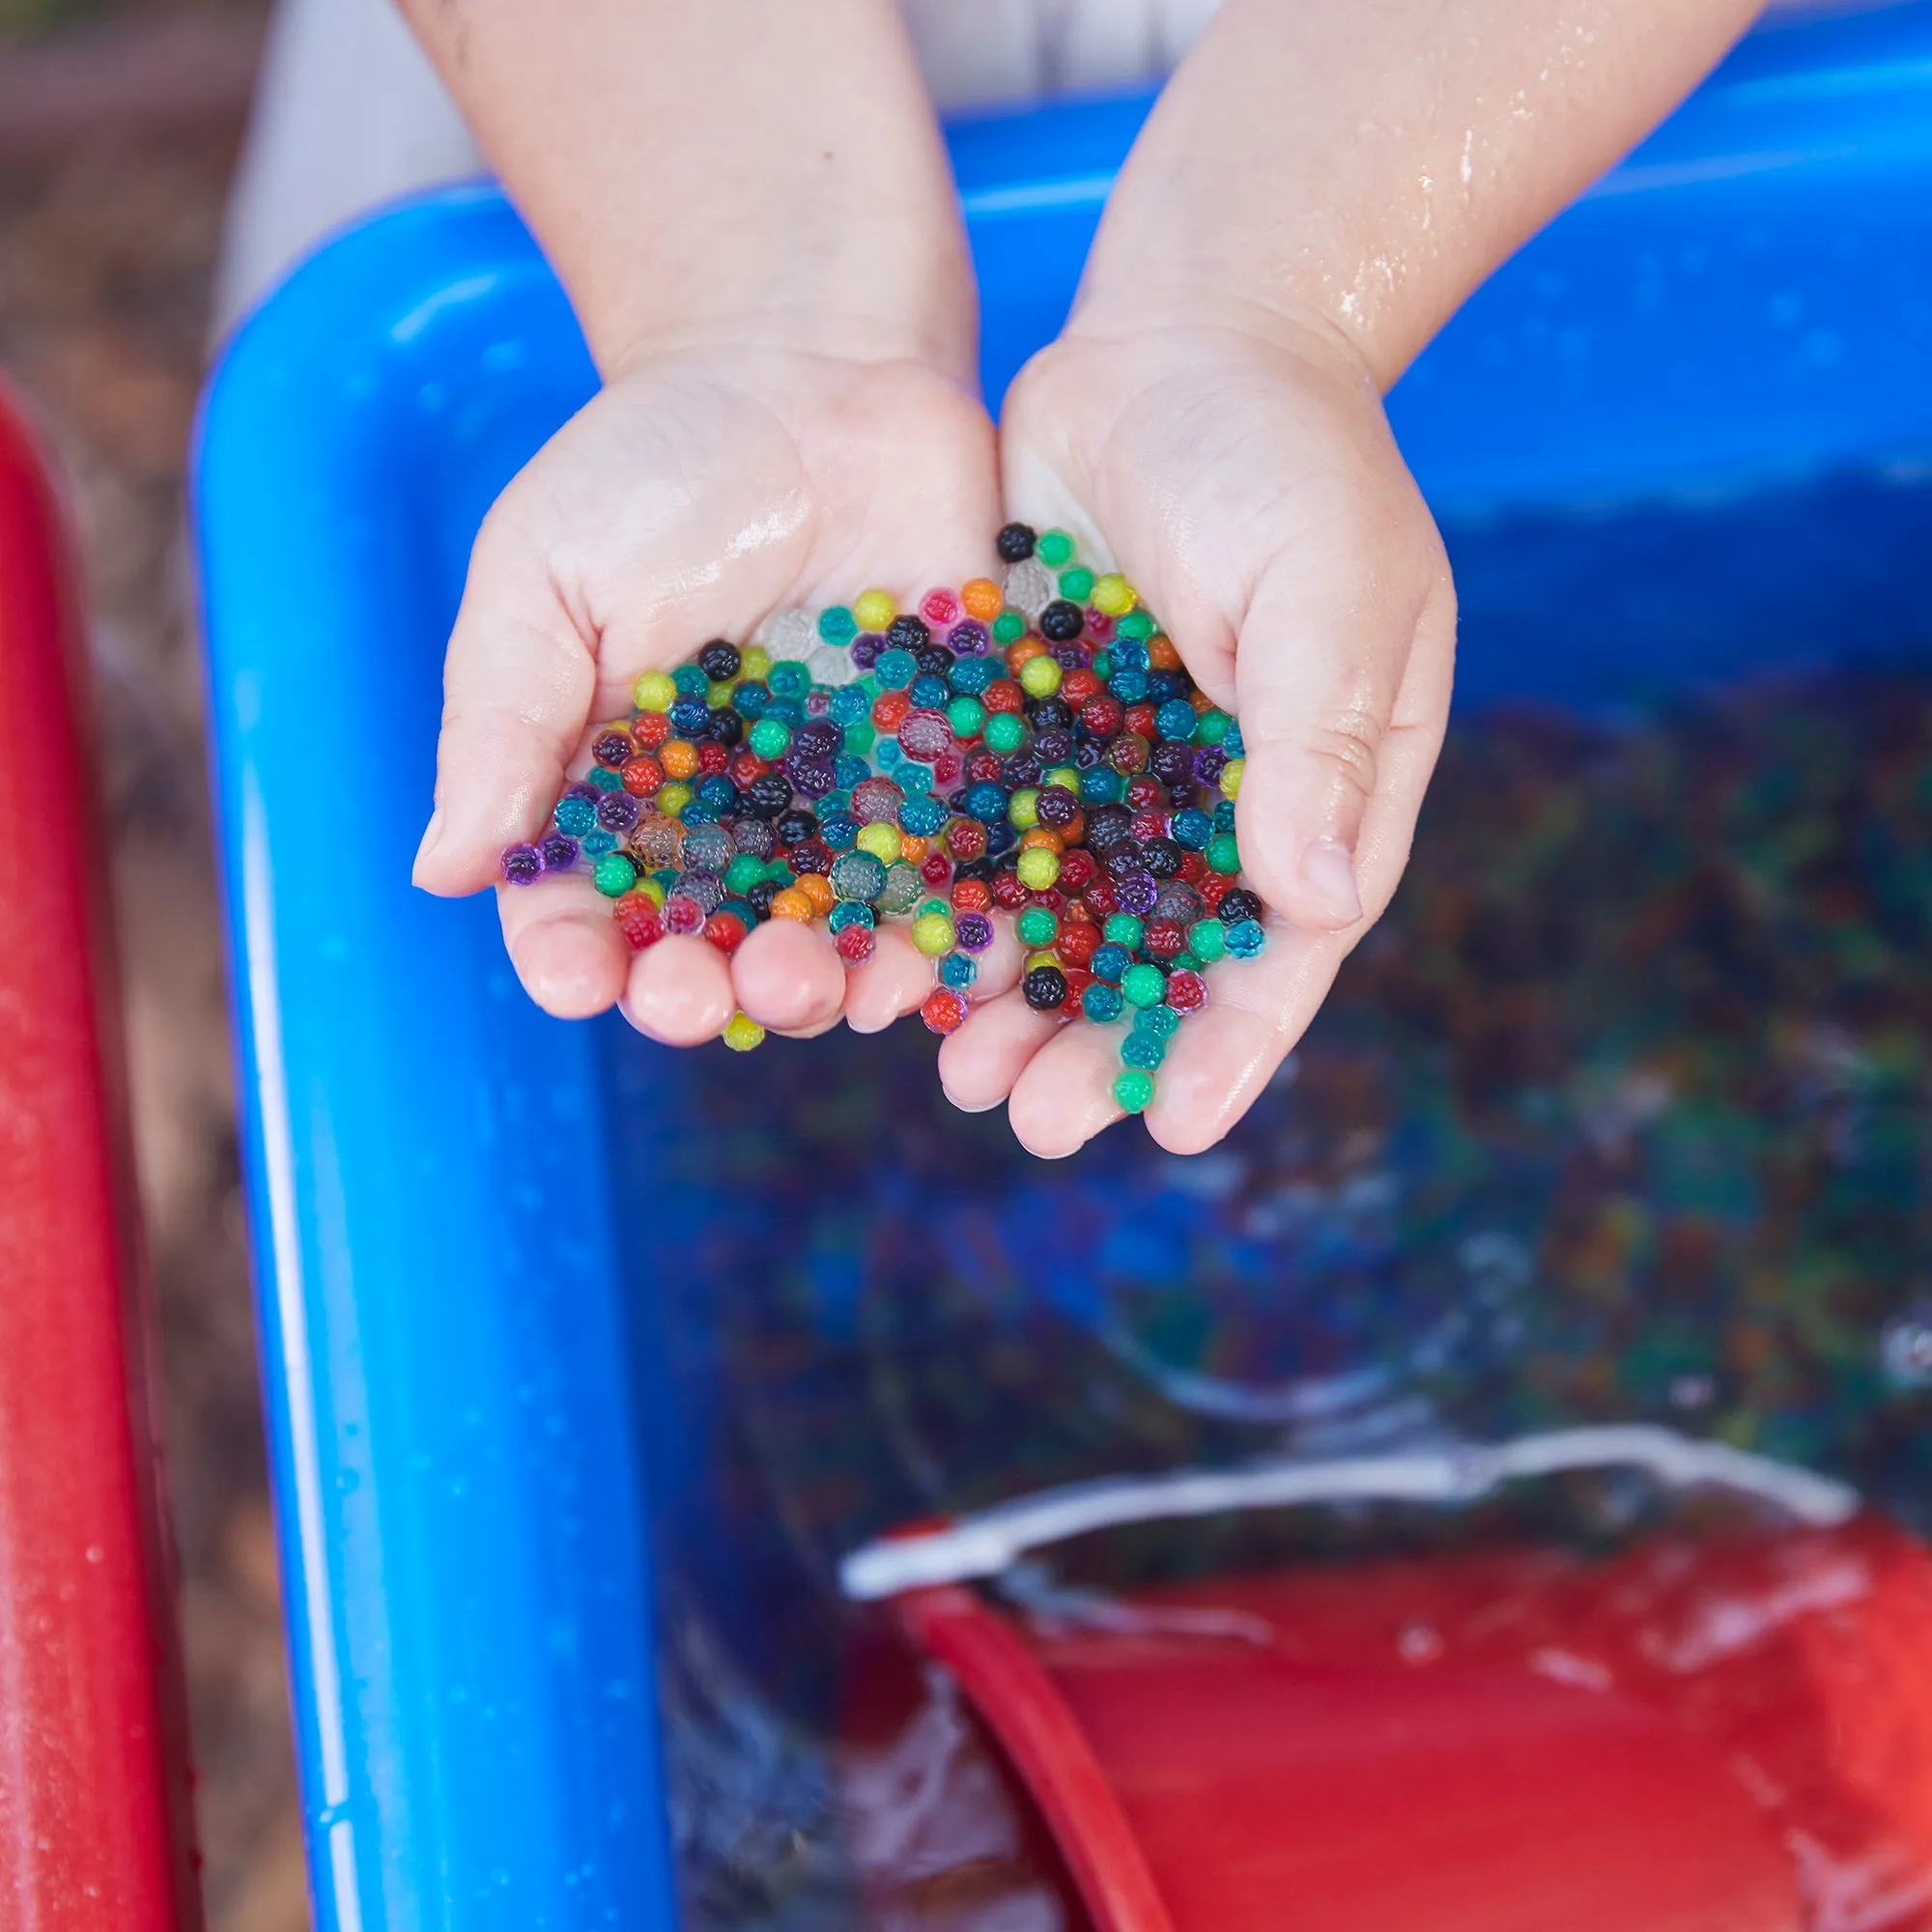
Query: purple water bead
<point x="816" y="739"/>
<point x="973" y="931"/>
<point x="523" y="864"/>
<point x="559" y="852"/>
<point x="583" y="788"/>
<point x="1071" y="656"/>
<point x="1210" y="762"/>
<point x="1054" y="745"/>
<point x="970" y="639"/>
<point x="1135" y="891"/>
<point x="867" y="649"/>
<point x="703" y="889"/>
<point x="1171" y="762"/>
<point x="616" y="811"/>
<point x="812" y="776"/>
<point x="683" y="914"/>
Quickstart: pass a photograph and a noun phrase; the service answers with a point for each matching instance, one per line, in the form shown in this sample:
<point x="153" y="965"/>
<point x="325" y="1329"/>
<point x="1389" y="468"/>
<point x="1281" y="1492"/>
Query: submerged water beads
<point x="1035" y="750"/>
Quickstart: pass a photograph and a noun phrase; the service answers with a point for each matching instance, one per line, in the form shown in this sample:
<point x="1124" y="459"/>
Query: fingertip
<point x="787" y="978"/>
<point x="979" y="1063"/>
<point x="894" y="982"/>
<point x="1066" y="1094"/>
<point x="680" y="992"/>
<point x="572" y="963"/>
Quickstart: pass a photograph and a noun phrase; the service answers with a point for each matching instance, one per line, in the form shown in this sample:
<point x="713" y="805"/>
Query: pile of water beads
<point x="1036" y="748"/>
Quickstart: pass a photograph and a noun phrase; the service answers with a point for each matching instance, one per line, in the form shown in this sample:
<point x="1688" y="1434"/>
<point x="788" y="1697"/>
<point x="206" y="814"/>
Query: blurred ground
<point x="118" y="128"/>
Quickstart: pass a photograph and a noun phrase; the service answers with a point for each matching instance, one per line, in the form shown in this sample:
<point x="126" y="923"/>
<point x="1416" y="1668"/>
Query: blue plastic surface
<point x="1687" y="430"/>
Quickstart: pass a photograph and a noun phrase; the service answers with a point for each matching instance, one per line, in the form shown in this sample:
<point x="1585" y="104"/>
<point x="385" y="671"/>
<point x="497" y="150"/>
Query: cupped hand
<point x="1245" y="481"/>
<point x="695" y="495"/>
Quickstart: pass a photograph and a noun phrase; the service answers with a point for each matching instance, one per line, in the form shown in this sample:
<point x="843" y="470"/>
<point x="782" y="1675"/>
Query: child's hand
<point x="693" y="497"/>
<point x="1248" y="485"/>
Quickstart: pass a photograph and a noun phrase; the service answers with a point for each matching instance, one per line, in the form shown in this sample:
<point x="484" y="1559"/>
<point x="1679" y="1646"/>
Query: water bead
<point x="1231" y="777"/>
<point x="574" y="816"/>
<point x="1133" y="1089"/>
<point x="523" y="864"/>
<point x="1076" y="584"/>
<point x="964" y="717"/>
<point x="855" y="944"/>
<point x="959" y="970"/>
<point x="1101" y="1002"/>
<point x="933" y="935"/>
<point x="654" y="691"/>
<point x="1039" y="869"/>
<point x="1113" y="595"/>
<point x="1246" y="938"/>
<point x="725" y="930"/>
<point x="742" y="1032"/>
<point x="1060" y="622"/>
<point x="902" y="890"/>
<point x="858" y="875"/>
<point x="1143" y="985"/>
<point x="1044" y="988"/>
<point x="944" y="1011"/>
<point x="894" y="670"/>
<point x="873" y="609"/>
<point x="973" y="931"/>
<point x="1054" y="549"/>
<point x="598" y="843"/>
<point x="1223" y="854"/>
<point x="1036" y="926"/>
<point x="790" y="903"/>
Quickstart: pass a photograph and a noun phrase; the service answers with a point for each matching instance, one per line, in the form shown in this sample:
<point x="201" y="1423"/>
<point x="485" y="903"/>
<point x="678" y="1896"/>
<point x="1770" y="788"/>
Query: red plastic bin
<point x="93" y="1788"/>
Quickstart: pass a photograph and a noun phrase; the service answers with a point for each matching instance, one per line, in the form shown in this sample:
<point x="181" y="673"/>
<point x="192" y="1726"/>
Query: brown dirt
<point x="116" y="142"/>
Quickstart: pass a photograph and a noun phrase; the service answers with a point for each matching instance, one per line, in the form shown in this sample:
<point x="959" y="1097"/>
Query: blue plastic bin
<point x="1687" y="432"/>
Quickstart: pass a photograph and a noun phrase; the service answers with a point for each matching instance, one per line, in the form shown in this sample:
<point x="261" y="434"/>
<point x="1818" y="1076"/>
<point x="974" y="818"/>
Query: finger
<point x="788" y="978"/>
<point x="565" y="945"/>
<point x="1064" y="1095"/>
<point x="979" y="1064"/>
<point x="680" y="992"/>
<point x="891" y="983"/>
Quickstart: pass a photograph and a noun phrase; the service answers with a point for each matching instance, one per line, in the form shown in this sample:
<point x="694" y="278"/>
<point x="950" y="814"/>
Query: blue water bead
<point x="837" y="829"/>
<point x="689" y="716"/>
<point x="1001" y="835"/>
<point x="1128" y="654"/>
<point x="558" y="852"/>
<point x="1143" y="1049"/>
<point x="718" y="792"/>
<point x="984" y="801"/>
<point x="751" y="700"/>
<point x="1102" y="786"/>
<point x="1176" y="719"/>
<point x="915" y="776"/>
<point x="597" y="843"/>
<point x="690" y="680"/>
<point x="895" y="670"/>
<point x="1192" y="829"/>
<point x="1246" y="937"/>
<point x="789" y="709"/>
<point x="1128" y="686"/>
<point x="789" y="678"/>
<point x="922" y="816"/>
<point x="1101" y="1002"/>
<point x="575" y="816"/>
<point x="851" y="771"/>
<point x="929" y="693"/>
<point x="970" y="677"/>
<point x="1109" y="961"/>
<point x="1230" y="740"/>
<point x="604" y="779"/>
<point x="1224" y="815"/>
<point x="959" y="970"/>
<point x="849" y="705"/>
<point x="701" y="811"/>
<point x="888" y="753"/>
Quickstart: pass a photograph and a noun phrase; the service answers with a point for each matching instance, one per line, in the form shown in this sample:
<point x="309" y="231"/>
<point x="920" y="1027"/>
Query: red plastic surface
<point x="1718" y="1736"/>
<point x="92" y="1779"/>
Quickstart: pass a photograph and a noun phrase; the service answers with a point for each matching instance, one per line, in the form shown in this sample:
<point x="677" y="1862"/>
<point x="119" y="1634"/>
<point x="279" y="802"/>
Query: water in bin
<point x="1480" y="1493"/>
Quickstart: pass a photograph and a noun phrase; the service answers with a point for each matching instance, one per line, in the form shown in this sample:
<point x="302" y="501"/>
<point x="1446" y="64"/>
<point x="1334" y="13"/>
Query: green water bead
<point x="1054" y="549"/>
<point x="1223" y="854"/>
<point x="613" y="875"/>
<point x="1006" y="732"/>
<point x="1133" y="1089"/>
<point x="1207" y="940"/>
<point x="1211" y="728"/>
<point x="743" y="873"/>
<point x="1037" y="927"/>
<point x="1135" y="624"/>
<point x="1142" y="985"/>
<point x="1009" y="627"/>
<point x="860" y="738"/>
<point x="1122" y="928"/>
<point x="770" y="739"/>
<point x="966" y="716"/>
<point x="1077" y="584"/>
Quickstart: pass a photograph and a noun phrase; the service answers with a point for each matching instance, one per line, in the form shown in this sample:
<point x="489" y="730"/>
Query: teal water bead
<point x="1142" y="985"/>
<point x="604" y="778"/>
<point x="743" y="873"/>
<point x="574" y="816"/>
<point x="1224" y="815"/>
<point x="1223" y="854"/>
<point x="1246" y="938"/>
<point x="959" y="970"/>
<point x="916" y="778"/>
<point x="1110" y="961"/>
<point x="966" y="716"/>
<point x="1102" y="786"/>
<point x="922" y="817"/>
<point x="750" y="699"/>
<point x="1133" y="1089"/>
<point x="860" y="738"/>
<point x="851" y="911"/>
<point x="789" y="678"/>
<point x="1101" y="1002"/>
<point x="858" y="875"/>
<point x="1160" y="1020"/>
<point x="970" y="676"/>
<point x="836" y="624"/>
<point x="771" y="739"/>
<point x="1122" y="928"/>
<point x="691" y="681"/>
<point x="1207" y="940"/>
<point x="849" y="704"/>
<point x="895" y="670"/>
<point x="888" y="753"/>
<point x="1143" y="1049"/>
<point x="1037" y="927"/>
<point x="613" y="875"/>
<point x="1006" y="732"/>
<point x="1176" y="719"/>
<point x="597" y="843"/>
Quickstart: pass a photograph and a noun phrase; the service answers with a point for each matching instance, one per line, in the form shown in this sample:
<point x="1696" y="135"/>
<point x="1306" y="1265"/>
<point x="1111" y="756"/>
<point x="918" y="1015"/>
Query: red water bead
<point x="966" y="841"/>
<point x="984" y="765"/>
<point x="640" y="925"/>
<point x="935" y="869"/>
<point x="1140" y="720"/>
<point x="941" y="608"/>
<point x="1164" y="938"/>
<point x="923" y="734"/>
<point x="1077" y="943"/>
<point x="1078" y="686"/>
<point x="944" y="1011"/>
<point x="713" y="759"/>
<point x="1008" y="892"/>
<point x="1127" y="753"/>
<point x="1098" y="897"/>
<point x="1144" y="793"/>
<point x="1077" y="982"/>
<point x="1053" y="900"/>
<point x="1004" y="694"/>
<point x="1077" y="869"/>
<point x="725" y="930"/>
<point x="1150" y="825"/>
<point x="949" y="768"/>
<point x="650" y="731"/>
<point x="1212" y="887"/>
<point x="1186" y="991"/>
<point x="972" y="895"/>
<point x="683" y="914"/>
<point x="642" y="776"/>
<point x="1099" y="626"/>
<point x="889" y="709"/>
<point x="876" y="801"/>
<point x="746" y="769"/>
<point x="855" y="944"/>
<point x="1193" y="867"/>
<point x="1101" y="714"/>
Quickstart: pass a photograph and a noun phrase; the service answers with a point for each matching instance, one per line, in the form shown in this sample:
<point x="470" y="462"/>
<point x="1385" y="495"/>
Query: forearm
<point x="758" y="171"/>
<point x="1358" y="169"/>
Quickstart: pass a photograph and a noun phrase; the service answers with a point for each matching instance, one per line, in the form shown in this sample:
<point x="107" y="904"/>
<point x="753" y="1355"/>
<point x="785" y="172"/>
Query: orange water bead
<point x="791" y="903"/>
<point x="817" y="890"/>
<point x="1024" y="652"/>
<point x="1004" y="694"/>
<point x="1043" y="840"/>
<point x="679" y="759"/>
<point x="889" y="709"/>
<point x="913" y="848"/>
<point x="981" y="597"/>
<point x="1161" y="654"/>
